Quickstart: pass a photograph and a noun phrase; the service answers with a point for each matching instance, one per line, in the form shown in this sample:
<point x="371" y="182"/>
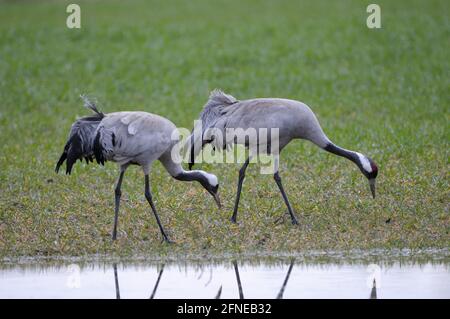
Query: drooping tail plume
<point x="90" y="104"/>
<point x="79" y="143"/>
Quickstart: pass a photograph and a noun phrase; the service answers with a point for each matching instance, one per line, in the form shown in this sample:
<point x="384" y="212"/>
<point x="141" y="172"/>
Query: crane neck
<point x="188" y="176"/>
<point x="175" y="169"/>
<point x="351" y="155"/>
<point x="197" y="175"/>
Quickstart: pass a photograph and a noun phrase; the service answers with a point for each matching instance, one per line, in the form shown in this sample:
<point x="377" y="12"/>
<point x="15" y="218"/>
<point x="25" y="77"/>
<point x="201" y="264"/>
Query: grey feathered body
<point x="135" y="138"/>
<point x="292" y="119"/>
<point x="125" y="138"/>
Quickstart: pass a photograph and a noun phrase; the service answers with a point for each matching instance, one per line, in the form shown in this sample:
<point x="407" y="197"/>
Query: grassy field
<point x="383" y="92"/>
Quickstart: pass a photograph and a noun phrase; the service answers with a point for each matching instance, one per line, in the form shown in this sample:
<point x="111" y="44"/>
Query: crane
<point x="130" y="138"/>
<point x="291" y="120"/>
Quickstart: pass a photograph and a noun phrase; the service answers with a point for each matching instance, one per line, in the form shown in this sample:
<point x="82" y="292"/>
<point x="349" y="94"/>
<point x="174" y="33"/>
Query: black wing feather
<point x="74" y="153"/>
<point x="61" y="161"/>
<point x="98" y="150"/>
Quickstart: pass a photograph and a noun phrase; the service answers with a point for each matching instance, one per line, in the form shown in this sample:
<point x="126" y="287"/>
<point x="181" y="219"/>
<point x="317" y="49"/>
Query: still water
<point x="285" y="278"/>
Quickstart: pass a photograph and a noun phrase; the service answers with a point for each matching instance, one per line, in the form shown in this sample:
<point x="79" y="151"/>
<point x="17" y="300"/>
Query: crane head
<point x="211" y="184"/>
<point x="214" y="193"/>
<point x="371" y="172"/>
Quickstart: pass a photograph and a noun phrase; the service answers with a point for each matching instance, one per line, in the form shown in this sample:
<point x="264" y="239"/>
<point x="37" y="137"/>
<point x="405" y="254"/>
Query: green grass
<point x="383" y="92"/>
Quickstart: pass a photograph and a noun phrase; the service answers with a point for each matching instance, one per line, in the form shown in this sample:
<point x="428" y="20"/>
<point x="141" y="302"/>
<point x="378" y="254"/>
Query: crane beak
<point x="372" y="186"/>
<point x="217" y="199"/>
<point x="215" y="193"/>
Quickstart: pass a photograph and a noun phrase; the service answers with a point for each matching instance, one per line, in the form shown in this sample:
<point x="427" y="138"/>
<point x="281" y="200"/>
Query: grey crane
<point x="129" y="138"/>
<point x="290" y="119"/>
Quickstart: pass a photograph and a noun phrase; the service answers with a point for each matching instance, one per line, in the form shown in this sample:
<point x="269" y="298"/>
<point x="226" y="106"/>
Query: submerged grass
<point x="383" y="92"/>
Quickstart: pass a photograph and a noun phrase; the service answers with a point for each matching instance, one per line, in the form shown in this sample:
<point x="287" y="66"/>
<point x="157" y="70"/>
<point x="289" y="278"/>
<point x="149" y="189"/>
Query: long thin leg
<point x="219" y="293"/>
<point x="277" y="178"/>
<point x="157" y="282"/>
<point x="148" y="196"/>
<point x="239" y="188"/>
<point x="238" y="279"/>
<point x="116" y="281"/>
<point x="280" y="294"/>
<point x="117" y="193"/>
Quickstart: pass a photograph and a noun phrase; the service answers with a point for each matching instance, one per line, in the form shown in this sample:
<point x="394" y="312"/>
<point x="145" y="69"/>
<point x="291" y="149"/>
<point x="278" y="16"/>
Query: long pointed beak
<point x="217" y="199"/>
<point x="372" y="186"/>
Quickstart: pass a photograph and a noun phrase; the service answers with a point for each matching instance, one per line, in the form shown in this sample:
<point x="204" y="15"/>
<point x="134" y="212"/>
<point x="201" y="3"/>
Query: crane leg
<point x="239" y="188"/>
<point x="277" y="178"/>
<point x="148" y="196"/>
<point x="280" y="294"/>
<point x="238" y="279"/>
<point x="117" y="193"/>
<point x="157" y="282"/>
<point x="116" y="281"/>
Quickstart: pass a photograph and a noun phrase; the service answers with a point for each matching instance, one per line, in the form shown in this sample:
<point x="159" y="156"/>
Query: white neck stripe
<point x="212" y="179"/>
<point x="364" y="162"/>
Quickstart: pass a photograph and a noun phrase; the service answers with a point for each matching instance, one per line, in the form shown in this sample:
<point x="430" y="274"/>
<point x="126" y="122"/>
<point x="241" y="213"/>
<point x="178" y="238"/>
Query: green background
<point x="382" y="92"/>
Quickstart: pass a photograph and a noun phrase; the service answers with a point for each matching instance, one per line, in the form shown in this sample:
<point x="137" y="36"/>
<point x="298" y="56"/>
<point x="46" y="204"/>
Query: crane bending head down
<point x="293" y="120"/>
<point x="129" y="138"/>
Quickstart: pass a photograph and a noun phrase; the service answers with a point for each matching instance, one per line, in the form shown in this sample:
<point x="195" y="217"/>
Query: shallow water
<point x="227" y="279"/>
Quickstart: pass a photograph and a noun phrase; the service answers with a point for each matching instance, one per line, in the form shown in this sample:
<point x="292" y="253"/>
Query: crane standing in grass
<point x="292" y="119"/>
<point x="128" y="138"/>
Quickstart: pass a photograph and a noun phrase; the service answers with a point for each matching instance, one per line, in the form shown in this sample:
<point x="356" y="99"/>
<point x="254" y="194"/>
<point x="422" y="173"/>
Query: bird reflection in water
<point x="281" y="292"/>
<point x="116" y="281"/>
<point x="157" y="281"/>
<point x="241" y="291"/>
<point x="373" y="293"/>
<point x="155" y="288"/>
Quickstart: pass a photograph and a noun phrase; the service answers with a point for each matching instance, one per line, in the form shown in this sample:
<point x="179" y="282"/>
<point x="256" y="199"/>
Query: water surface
<point x="285" y="278"/>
